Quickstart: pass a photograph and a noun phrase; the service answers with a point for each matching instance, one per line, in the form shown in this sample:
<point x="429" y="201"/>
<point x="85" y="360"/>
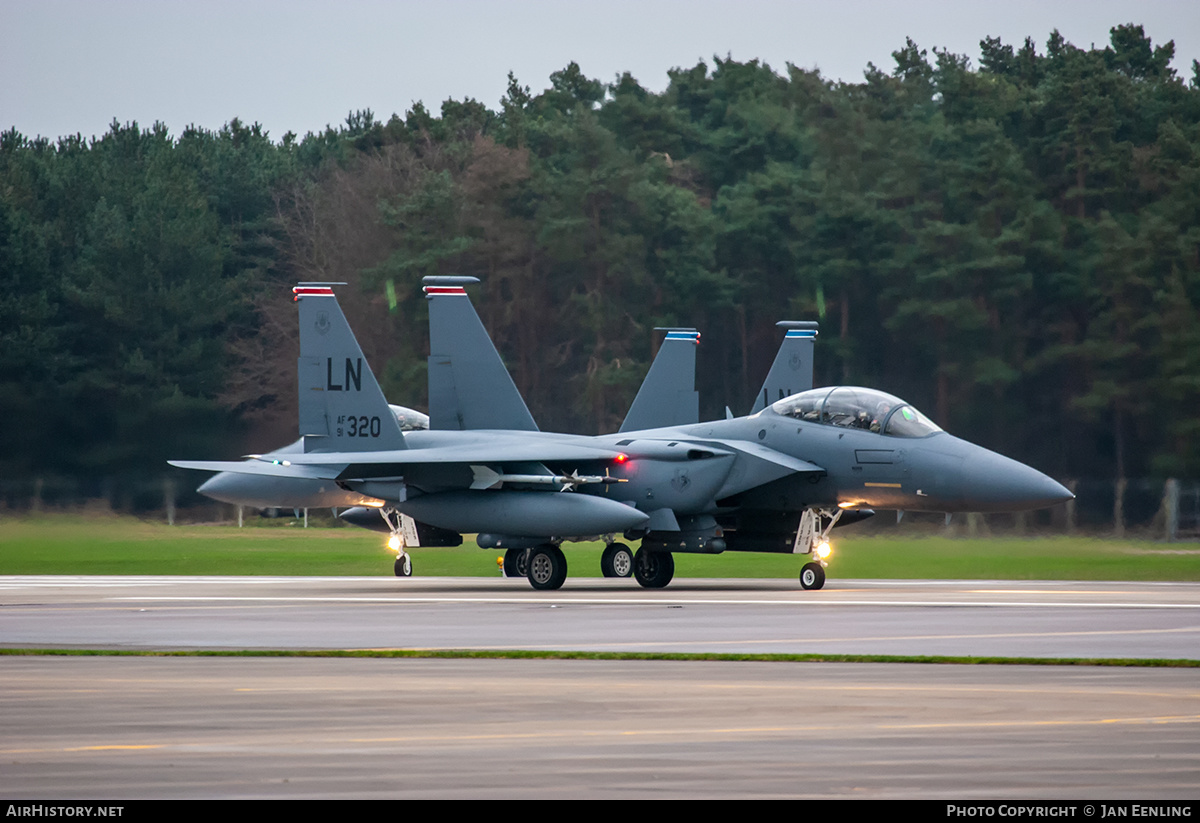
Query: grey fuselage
<point x="708" y="468"/>
<point x="765" y="462"/>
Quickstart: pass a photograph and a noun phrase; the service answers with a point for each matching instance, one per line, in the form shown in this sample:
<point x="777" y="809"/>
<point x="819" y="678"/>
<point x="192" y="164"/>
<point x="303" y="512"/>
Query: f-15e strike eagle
<point x="775" y="481"/>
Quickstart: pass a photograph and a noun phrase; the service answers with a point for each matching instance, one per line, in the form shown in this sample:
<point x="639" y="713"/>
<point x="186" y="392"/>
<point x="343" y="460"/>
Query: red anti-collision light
<point x="622" y="457"/>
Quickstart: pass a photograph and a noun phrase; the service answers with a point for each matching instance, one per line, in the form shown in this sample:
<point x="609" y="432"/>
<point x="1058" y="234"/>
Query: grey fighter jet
<point x="775" y="481"/>
<point x="469" y="389"/>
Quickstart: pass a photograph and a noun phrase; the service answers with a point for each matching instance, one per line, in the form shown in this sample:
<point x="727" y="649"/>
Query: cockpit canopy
<point x="409" y="419"/>
<point x="853" y="407"/>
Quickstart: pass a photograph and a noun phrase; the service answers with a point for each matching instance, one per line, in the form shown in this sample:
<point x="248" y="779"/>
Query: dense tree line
<point x="1014" y="247"/>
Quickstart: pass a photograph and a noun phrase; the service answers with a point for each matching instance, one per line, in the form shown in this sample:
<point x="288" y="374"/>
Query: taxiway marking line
<point x="775" y="641"/>
<point x="610" y="601"/>
<point x="319" y="739"/>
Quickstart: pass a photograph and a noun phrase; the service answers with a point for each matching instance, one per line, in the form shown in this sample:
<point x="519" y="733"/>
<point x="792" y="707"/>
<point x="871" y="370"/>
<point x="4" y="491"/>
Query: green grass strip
<point x="517" y="654"/>
<point x="74" y="544"/>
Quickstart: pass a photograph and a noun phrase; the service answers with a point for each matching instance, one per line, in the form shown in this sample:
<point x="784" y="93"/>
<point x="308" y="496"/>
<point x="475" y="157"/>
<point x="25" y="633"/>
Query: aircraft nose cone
<point x="215" y="486"/>
<point x="993" y="482"/>
<point x="226" y="487"/>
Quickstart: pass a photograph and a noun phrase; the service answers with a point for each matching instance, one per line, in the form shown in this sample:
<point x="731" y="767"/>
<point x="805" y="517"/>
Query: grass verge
<point x="106" y="544"/>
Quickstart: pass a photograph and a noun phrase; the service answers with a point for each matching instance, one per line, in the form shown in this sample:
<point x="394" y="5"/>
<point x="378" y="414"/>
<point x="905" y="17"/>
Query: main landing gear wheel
<point x="653" y="570"/>
<point x="812" y="576"/>
<point x="404" y="565"/>
<point x="617" y="561"/>
<point x="516" y="563"/>
<point x="547" y="567"/>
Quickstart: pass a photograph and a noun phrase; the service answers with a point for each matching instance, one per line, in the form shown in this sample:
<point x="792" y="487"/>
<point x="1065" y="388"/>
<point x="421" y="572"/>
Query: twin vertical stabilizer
<point x="469" y="387"/>
<point x="792" y="371"/>
<point x="668" y="395"/>
<point x="341" y="405"/>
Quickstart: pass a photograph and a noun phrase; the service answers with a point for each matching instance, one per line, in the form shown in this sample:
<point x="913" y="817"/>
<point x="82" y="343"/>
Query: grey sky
<point x="75" y="65"/>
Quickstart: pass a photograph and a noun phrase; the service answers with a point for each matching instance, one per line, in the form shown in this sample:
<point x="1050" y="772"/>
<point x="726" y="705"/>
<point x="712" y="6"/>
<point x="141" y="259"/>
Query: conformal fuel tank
<point x="527" y="513"/>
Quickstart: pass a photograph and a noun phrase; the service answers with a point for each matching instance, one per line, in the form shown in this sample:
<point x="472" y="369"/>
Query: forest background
<point x="1012" y="247"/>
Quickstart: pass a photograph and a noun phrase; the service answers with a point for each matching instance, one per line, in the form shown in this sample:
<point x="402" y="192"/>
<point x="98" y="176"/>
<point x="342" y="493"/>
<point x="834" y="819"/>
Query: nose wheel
<point x="812" y="576"/>
<point x="812" y="538"/>
<point x="404" y="564"/>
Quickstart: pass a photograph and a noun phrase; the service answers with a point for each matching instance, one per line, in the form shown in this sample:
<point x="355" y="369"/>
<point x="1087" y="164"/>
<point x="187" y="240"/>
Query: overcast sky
<point x="71" y="66"/>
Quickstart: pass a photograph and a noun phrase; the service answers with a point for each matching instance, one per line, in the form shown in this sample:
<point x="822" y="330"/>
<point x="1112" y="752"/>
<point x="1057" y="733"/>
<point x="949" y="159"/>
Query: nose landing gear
<point x="812" y="537"/>
<point x="396" y="542"/>
<point x="812" y="576"/>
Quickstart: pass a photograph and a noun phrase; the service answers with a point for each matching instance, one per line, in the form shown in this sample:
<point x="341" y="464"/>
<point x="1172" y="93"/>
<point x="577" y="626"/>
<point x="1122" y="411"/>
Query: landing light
<point x="394" y="542"/>
<point x="823" y="549"/>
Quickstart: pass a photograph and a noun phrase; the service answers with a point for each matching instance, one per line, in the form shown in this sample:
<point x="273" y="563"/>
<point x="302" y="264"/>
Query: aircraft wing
<point x="333" y="465"/>
<point x="268" y="468"/>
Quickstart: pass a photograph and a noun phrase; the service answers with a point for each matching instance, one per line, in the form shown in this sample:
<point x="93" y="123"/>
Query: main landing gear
<point x="617" y="561"/>
<point x="653" y="570"/>
<point x="404" y="564"/>
<point x="547" y="567"/>
<point x="516" y="563"/>
<point x="544" y="566"/>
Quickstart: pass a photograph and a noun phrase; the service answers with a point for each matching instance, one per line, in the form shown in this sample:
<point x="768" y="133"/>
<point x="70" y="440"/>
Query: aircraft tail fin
<point x="469" y="387"/>
<point x="792" y="371"/>
<point x="668" y="395"/>
<point x="342" y="407"/>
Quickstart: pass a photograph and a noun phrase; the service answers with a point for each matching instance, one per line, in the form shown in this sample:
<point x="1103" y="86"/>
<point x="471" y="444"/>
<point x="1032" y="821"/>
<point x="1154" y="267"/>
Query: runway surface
<point x="348" y="728"/>
<point x="119" y="727"/>
<point x="975" y="618"/>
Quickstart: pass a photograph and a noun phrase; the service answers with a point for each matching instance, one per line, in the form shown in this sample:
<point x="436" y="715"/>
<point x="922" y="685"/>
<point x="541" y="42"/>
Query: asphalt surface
<point x="975" y="618"/>
<point x="126" y="728"/>
<point x="349" y="728"/>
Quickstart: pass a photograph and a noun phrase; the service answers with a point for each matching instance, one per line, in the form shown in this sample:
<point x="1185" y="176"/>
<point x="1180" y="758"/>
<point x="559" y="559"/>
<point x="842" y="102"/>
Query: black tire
<point x="617" y="561"/>
<point x="404" y="565"/>
<point x="812" y="576"/>
<point x="516" y="563"/>
<point x="547" y="568"/>
<point x="653" y="570"/>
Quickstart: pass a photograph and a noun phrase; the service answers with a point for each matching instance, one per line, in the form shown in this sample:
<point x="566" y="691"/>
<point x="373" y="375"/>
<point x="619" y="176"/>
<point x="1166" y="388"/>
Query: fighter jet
<point x="777" y="480"/>
<point x="469" y="389"/>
